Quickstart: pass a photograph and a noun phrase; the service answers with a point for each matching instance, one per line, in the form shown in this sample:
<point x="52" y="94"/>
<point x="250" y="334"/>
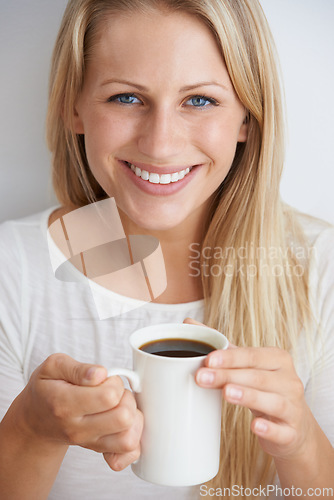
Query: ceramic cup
<point x="180" y="444"/>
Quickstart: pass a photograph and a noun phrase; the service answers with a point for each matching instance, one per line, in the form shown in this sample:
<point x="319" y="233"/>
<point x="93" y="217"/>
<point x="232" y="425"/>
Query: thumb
<point x="192" y="321"/>
<point x="63" y="367"/>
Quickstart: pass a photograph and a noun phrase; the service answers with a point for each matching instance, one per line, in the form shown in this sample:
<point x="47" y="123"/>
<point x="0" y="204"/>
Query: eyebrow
<point x="204" y="84"/>
<point x="183" y="89"/>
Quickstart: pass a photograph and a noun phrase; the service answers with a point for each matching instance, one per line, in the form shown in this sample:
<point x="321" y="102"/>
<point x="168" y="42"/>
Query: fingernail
<point x="216" y="360"/>
<point x="233" y="393"/>
<point x="261" y="427"/>
<point x="95" y="372"/>
<point x="206" y="377"/>
<point x="90" y="373"/>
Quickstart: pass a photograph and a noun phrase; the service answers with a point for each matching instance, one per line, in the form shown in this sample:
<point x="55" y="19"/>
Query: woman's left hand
<point x="265" y="381"/>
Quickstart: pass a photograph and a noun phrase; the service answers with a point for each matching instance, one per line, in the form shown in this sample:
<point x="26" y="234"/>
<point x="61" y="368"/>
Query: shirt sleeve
<point x="11" y="355"/>
<point x="319" y="391"/>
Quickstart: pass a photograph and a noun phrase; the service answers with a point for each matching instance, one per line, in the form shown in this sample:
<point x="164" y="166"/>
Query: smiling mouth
<point x="155" y="178"/>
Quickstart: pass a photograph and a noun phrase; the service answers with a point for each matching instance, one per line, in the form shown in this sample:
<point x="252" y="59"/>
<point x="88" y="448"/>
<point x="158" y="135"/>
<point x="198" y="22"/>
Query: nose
<point x="162" y="135"/>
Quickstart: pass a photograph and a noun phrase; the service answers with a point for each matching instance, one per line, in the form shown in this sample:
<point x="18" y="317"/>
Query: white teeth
<point x="165" y="179"/>
<point x="155" y="178"/>
<point x="145" y="175"/>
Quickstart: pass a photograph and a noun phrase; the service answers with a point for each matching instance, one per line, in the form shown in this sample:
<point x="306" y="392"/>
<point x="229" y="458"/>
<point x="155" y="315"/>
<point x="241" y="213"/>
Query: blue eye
<point x="124" y="99"/>
<point x="200" y="101"/>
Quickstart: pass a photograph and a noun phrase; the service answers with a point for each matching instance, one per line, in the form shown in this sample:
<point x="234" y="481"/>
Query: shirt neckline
<point x="122" y="299"/>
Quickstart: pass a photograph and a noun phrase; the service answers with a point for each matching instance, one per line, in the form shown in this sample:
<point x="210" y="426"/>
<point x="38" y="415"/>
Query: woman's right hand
<point x="74" y="403"/>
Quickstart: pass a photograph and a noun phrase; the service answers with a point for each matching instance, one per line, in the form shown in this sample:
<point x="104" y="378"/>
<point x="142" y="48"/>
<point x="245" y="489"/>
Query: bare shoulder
<point x="58" y="213"/>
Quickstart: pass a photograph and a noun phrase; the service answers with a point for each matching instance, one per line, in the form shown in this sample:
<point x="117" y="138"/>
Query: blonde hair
<point x="265" y="307"/>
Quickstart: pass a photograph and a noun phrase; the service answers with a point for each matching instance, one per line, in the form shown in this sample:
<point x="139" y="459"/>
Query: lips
<point x="158" y="181"/>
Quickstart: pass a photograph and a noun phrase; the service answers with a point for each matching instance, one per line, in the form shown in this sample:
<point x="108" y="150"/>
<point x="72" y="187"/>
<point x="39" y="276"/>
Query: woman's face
<point x="157" y="96"/>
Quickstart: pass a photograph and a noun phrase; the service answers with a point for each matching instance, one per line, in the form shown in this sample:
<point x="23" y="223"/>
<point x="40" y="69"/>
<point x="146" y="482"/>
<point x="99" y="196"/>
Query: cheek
<point x="220" y="142"/>
<point x="107" y="138"/>
<point x="104" y="139"/>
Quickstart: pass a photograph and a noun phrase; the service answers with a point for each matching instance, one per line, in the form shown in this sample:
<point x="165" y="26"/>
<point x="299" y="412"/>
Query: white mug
<point x="180" y="444"/>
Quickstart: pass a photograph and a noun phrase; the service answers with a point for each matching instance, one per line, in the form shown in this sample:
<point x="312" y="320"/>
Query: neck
<point x="183" y="284"/>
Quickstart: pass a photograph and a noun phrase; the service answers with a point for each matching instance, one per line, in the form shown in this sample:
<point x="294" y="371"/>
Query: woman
<point x="141" y="91"/>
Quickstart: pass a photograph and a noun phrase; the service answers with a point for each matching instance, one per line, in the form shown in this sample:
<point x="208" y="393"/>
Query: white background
<point x="304" y="35"/>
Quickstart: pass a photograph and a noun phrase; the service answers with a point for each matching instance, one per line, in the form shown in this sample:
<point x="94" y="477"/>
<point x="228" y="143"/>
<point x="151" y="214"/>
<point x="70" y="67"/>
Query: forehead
<point x="166" y="43"/>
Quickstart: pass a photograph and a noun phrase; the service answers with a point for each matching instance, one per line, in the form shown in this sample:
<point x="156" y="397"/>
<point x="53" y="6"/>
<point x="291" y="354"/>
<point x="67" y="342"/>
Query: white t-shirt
<point x="40" y="315"/>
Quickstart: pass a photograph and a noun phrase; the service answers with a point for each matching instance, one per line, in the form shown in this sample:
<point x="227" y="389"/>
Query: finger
<point x="125" y="441"/>
<point x="63" y="367"/>
<point x="279" y="434"/>
<point x="118" y="419"/>
<point x="77" y="401"/>
<point x="273" y="405"/>
<point x="266" y="381"/>
<point x="104" y="397"/>
<point x="101" y="432"/>
<point x="118" y="462"/>
<point x="191" y="321"/>
<point x="264" y="358"/>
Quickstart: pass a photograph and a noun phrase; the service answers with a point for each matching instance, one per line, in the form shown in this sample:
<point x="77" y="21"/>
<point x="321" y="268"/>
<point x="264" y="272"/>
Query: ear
<point x="77" y="123"/>
<point x="243" y="132"/>
<point x="72" y="120"/>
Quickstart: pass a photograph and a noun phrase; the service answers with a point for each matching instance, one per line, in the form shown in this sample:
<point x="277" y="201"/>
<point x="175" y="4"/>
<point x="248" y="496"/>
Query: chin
<point x="156" y="223"/>
<point x="150" y="217"/>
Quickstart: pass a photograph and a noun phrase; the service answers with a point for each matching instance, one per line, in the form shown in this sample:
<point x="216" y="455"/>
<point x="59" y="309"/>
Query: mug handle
<point x="132" y="377"/>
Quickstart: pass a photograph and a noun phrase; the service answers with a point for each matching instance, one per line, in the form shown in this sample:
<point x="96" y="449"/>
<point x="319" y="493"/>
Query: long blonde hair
<point x="257" y="298"/>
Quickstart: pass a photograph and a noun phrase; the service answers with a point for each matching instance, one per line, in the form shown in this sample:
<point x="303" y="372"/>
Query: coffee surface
<point x="177" y="348"/>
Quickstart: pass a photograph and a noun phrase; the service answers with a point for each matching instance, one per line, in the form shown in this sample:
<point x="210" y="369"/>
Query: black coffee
<point x="177" y="348"/>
